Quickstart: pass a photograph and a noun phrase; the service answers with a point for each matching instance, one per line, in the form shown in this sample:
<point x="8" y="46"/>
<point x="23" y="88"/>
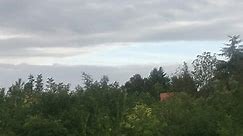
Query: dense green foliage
<point x="207" y="102"/>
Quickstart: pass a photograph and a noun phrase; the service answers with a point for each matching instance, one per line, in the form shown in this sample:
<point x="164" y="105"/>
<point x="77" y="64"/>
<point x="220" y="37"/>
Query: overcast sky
<point x="111" y="34"/>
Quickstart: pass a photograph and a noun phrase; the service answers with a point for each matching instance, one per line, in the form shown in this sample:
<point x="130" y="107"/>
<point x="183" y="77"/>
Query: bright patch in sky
<point x="12" y="36"/>
<point x="145" y="53"/>
<point x="164" y="53"/>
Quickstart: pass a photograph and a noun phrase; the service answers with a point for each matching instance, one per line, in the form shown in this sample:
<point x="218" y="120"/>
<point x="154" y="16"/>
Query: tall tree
<point x="233" y="47"/>
<point x="135" y="84"/>
<point x="51" y="85"/>
<point x="233" y="67"/>
<point x="157" y="82"/>
<point x="39" y="83"/>
<point x="158" y="76"/>
<point x="204" y="67"/>
<point x="104" y="81"/>
<point x="184" y="81"/>
<point x="30" y="84"/>
<point x="88" y="81"/>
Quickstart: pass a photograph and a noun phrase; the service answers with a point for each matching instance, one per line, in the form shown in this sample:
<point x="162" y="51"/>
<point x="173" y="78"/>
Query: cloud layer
<point x="65" y="27"/>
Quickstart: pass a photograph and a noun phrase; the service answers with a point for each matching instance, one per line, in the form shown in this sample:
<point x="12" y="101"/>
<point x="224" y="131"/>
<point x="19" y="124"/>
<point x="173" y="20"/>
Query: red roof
<point x="165" y="96"/>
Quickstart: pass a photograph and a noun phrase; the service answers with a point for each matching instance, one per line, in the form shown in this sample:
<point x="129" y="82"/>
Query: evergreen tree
<point x="30" y="84"/>
<point x="184" y="81"/>
<point x="233" y="47"/>
<point x="39" y="83"/>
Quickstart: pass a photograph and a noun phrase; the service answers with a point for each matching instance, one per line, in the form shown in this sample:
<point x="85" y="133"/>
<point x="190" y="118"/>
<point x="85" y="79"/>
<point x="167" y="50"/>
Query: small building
<point x="165" y="96"/>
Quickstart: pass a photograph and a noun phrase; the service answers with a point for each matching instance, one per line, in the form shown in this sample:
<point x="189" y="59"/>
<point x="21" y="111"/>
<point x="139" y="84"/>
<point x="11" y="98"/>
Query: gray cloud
<point x="79" y="23"/>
